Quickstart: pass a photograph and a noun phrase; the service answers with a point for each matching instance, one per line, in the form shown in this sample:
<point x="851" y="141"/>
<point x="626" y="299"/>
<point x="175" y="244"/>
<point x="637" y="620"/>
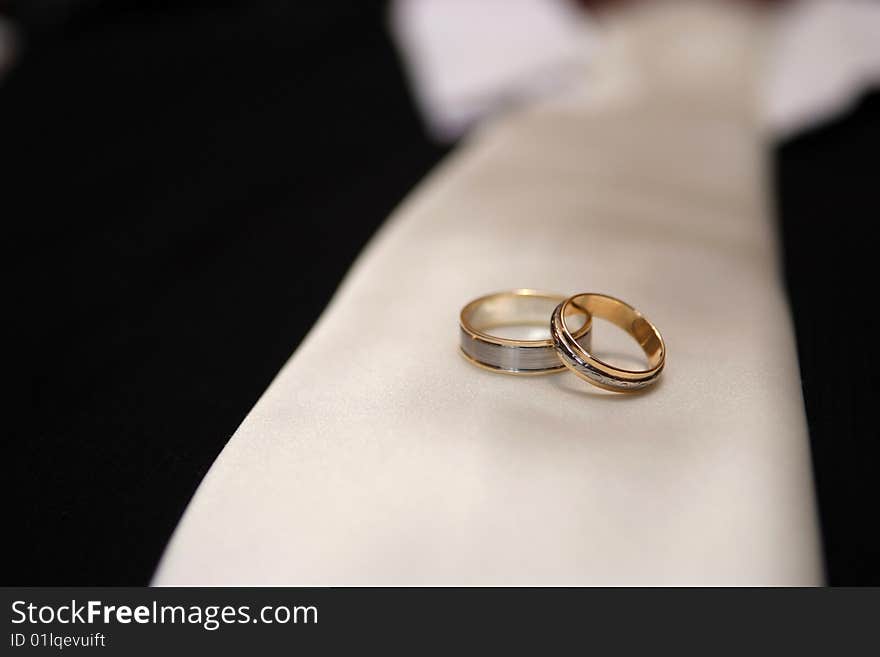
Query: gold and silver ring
<point x="578" y="358"/>
<point x="485" y="322"/>
<point x="487" y="340"/>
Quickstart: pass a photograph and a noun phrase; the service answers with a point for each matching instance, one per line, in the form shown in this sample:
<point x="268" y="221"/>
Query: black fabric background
<point x="184" y="187"/>
<point x="828" y="200"/>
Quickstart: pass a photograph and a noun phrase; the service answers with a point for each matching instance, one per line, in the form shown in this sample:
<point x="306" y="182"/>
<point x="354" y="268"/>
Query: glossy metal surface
<point x="578" y="358"/>
<point x="482" y="325"/>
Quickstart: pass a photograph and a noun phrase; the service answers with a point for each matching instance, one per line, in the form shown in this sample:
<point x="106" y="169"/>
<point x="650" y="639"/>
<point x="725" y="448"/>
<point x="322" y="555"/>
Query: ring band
<point x="516" y="308"/>
<point x="580" y="361"/>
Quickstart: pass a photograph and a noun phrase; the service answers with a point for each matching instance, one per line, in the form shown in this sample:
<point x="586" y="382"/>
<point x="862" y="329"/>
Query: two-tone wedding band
<point x="489" y="327"/>
<point x="577" y="357"/>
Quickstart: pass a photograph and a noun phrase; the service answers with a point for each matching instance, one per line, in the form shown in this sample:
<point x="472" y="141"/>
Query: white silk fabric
<point x="380" y="456"/>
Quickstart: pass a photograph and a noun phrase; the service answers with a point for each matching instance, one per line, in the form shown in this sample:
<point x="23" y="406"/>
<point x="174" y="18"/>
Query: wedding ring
<point x="577" y="357"/>
<point x="494" y="328"/>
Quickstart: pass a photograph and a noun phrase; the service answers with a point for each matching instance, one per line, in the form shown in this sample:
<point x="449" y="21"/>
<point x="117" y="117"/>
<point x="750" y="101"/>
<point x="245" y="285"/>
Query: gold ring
<point x="517" y="310"/>
<point x="579" y="360"/>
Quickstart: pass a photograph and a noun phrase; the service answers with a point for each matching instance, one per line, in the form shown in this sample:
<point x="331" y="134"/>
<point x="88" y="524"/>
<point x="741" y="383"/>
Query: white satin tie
<point x="379" y="456"/>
